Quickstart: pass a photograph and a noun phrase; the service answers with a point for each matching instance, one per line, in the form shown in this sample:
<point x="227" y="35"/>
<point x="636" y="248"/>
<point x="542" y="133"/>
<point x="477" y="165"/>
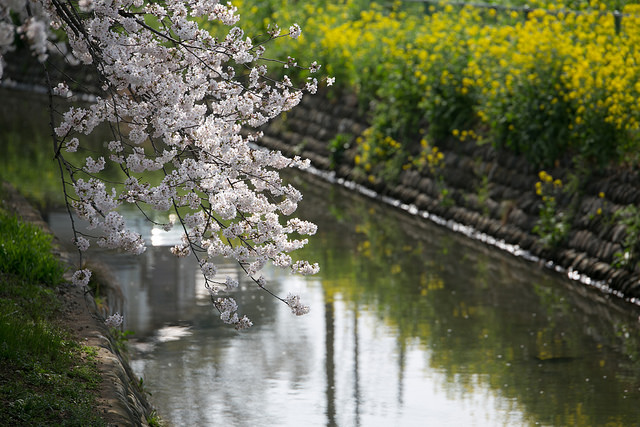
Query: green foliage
<point x="27" y="155"/>
<point x="154" y="420"/>
<point x="448" y="95"/>
<point x="26" y="161"/>
<point x="431" y="160"/>
<point x="553" y="224"/>
<point x="483" y="194"/>
<point x="527" y="123"/>
<point x="25" y="251"/>
<point x="46" y="377"/>
<point x="337" y="146"/>
<point x="121" y="338"/>
<point x="379" y="157"/>
<point x="628" y="258"/>
<point x="39" y="338"/>
<point x="544" y="84"/>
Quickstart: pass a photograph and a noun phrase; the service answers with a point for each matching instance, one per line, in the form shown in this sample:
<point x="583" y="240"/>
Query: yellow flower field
<point x="551" y="83"/>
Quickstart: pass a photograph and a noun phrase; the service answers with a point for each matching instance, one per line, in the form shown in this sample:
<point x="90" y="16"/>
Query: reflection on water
<point x="411" y="325"/>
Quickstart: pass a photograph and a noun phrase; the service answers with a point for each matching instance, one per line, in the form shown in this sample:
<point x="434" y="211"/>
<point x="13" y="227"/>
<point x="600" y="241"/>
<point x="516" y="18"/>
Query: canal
<point x="411" y="324"/>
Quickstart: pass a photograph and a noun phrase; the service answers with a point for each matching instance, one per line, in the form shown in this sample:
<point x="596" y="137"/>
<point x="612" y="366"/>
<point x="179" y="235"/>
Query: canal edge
<point x="120" y="402"/>
<point x="310" y="131"/>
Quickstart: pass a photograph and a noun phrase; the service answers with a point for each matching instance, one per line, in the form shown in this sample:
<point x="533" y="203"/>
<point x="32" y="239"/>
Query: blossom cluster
<point x="114" y="321"/>
<point x="81" y="277"/>
<point x="297" y="308"/>
<point x="33" y="28"/>
<point x="228" y="313"/>
<point x="179" y="103"/>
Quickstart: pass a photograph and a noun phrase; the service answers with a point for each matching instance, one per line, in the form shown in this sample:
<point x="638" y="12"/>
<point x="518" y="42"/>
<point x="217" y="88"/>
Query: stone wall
<point x="489" y="190"/>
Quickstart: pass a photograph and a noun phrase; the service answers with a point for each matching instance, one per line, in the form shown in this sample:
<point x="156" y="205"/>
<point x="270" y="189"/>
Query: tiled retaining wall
<point x="491" y="191"/>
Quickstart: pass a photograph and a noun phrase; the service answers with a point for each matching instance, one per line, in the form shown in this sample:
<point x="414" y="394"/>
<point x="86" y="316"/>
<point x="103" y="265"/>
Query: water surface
<point x="410" y="325"/>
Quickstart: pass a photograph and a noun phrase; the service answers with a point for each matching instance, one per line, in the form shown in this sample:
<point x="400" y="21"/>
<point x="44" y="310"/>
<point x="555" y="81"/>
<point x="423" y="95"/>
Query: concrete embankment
<point x="492" y="192"/>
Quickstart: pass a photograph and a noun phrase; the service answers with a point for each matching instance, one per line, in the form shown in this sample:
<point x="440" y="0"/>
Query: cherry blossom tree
<point x="179" y="103"/>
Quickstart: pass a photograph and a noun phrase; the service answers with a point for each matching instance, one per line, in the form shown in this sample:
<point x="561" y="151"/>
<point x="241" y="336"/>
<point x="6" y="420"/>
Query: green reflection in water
<point x="26" y="147"/>
<point x="27" y="154"/>
<point x="562" y="353"/>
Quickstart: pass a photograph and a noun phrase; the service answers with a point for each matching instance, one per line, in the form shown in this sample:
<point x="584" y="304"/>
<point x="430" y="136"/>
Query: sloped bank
<point x="490" y="194"/>
<point x="120" y="402"/>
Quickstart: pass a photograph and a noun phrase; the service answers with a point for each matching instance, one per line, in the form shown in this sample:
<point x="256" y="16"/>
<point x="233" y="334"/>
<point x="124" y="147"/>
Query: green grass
<point x="26" y="252"/>
<point x="154" y="420"/>
<point x="31" y="167"/>
<point x="46" y="377"/>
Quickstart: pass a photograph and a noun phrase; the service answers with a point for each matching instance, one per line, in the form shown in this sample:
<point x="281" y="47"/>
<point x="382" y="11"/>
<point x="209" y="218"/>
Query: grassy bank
<point x="554" y="82"/>
<point x="46" y="377"/>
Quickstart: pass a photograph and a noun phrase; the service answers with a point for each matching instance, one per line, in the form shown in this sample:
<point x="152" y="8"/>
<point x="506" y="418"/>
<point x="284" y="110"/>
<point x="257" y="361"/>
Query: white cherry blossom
<point x="180" y="105"/>
<point x="114" y="321"/>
